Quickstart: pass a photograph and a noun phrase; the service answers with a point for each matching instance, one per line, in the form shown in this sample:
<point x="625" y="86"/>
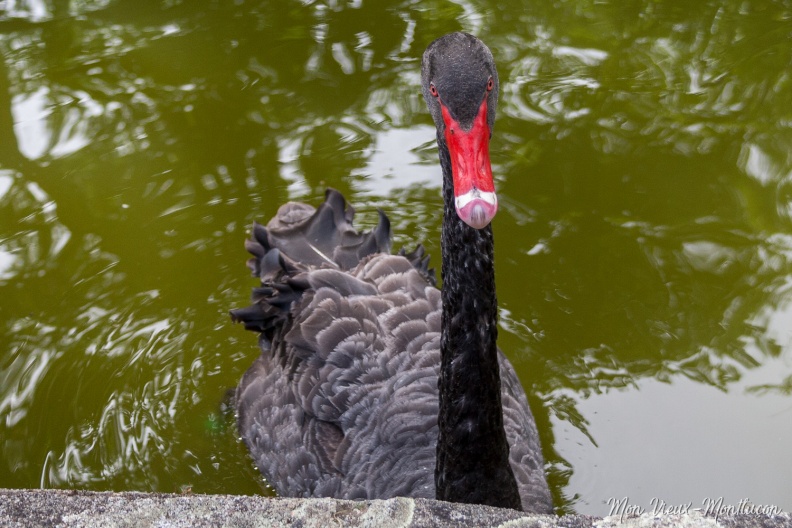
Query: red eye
<point x="432" y="90"/>
<point x="490" y="84"/>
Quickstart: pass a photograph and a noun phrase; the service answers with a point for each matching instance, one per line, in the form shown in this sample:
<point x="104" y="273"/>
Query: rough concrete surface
<point x="28" y="508"/>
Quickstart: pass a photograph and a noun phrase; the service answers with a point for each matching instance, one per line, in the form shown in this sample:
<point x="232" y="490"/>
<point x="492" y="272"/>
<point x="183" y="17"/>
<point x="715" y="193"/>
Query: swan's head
<point x="460" y="86"/>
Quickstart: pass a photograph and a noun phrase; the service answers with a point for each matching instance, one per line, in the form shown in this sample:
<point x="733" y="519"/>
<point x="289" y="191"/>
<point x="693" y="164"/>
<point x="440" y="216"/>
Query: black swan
<point x="372" y="383"/>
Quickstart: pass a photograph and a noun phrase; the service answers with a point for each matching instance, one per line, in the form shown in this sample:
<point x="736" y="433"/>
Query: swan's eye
<point x="490" y="84"/>
<point x="432" y="89"/>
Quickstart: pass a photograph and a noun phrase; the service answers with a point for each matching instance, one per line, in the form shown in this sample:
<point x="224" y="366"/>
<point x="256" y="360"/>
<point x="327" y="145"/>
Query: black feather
<point x="343" y="399"/>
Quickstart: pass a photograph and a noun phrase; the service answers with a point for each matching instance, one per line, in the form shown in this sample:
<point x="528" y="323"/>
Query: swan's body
<point x="343" y="400"/>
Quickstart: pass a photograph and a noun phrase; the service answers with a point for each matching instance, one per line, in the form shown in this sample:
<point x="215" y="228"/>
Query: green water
<point x="643" y="158"/>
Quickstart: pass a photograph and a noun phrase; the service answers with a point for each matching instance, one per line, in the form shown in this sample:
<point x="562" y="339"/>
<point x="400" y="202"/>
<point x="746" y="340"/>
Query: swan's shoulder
<point x="525" y="451"/>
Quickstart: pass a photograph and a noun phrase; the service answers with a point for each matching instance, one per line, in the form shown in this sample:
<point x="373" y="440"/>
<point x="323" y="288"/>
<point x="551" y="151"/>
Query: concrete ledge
<point x="28" y="508"/>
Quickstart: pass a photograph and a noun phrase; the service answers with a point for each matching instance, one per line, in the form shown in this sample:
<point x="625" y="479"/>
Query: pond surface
<point x="643" y="162"/>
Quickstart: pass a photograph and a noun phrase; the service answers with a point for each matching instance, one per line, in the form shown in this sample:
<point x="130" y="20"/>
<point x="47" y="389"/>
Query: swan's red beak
<point x="474" y="190"/>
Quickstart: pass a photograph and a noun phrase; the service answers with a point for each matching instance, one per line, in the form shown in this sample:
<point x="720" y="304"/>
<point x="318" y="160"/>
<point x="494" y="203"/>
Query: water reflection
<point x="643" y="246"/>
<point x="666" y="423"/>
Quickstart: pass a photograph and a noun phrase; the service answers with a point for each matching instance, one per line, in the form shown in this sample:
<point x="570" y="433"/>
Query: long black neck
<point x="472" y="450"/>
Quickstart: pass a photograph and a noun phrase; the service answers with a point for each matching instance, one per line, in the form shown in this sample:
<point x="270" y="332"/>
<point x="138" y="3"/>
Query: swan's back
<point x="342" y="402"/>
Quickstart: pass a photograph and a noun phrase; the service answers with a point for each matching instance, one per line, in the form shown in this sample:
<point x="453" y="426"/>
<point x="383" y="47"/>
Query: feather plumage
<point x="343" y="399"/>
